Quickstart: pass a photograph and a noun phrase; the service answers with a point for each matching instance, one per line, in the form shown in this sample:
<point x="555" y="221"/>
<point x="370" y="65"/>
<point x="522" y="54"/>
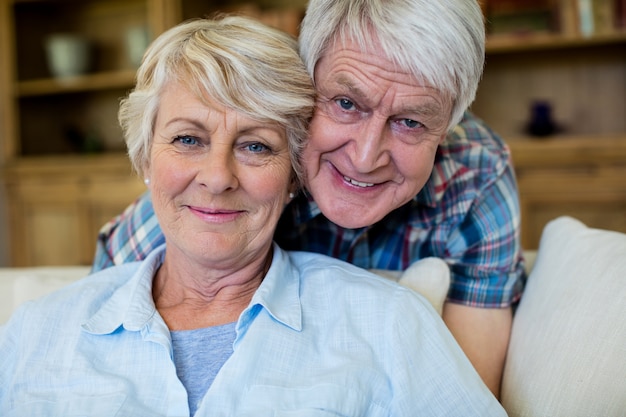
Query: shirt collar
<point x="131" y="305"/>
<point x="279" y="294"/>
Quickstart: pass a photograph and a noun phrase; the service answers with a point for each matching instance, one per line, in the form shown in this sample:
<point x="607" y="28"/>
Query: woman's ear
<point x="294" y="186"/>
<point x="145" y="171"/>
<point x="293" y="191"/>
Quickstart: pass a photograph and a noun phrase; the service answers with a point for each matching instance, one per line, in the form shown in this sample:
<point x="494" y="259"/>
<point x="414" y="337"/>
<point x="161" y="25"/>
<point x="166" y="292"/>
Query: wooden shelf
<point x="51" y="188"/>
<point x="580" y="176"/>
<point x="89" y="82"/>
<point x="500" y="44"/>
<point x="580" y="172"/>
<point x="61" y="164"/>
<point x="568" y="151"/>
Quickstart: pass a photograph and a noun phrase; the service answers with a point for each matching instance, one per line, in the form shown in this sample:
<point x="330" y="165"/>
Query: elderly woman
<point x="220" y="321"/>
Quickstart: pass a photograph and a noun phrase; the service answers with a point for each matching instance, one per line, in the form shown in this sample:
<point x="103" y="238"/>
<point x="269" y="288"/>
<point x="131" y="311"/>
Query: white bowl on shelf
<point x="68" y="54"/>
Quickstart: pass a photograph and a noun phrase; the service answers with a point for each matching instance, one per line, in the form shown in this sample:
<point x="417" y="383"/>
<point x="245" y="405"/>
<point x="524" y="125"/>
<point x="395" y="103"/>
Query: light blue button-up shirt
<point x="319" y="338"/>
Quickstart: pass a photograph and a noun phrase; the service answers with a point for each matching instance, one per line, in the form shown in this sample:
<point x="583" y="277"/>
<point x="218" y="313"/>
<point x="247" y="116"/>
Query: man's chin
<point x="351" y="218"/>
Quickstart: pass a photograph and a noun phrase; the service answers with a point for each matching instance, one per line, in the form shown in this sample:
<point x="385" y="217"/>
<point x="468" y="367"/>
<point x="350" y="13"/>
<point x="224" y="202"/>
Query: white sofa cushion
<point x="18" y="285"/>
<point x="567" y="354"/>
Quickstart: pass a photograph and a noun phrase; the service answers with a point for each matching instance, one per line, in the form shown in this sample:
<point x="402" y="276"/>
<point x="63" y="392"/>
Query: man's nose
<point x="370" y="146"/>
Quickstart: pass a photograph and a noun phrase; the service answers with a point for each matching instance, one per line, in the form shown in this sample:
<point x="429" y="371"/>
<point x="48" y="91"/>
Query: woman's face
<point x="219" y="180"/>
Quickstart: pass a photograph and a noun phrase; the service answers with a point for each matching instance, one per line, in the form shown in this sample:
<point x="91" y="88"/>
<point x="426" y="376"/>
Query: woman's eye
<point x="256" y="147"/>
<point x="345" y="104"/>
<point x="186" y="140"/>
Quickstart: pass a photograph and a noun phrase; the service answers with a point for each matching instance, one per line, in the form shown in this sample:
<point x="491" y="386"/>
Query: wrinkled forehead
<point x="397" y="58"/>
<point x="372" y="51"/>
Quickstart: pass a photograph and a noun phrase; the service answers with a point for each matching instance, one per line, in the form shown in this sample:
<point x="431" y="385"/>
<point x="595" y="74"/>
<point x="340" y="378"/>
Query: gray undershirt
<point x="199" y="355"/>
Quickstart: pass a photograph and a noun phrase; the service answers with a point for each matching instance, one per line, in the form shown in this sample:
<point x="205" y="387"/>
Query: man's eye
<point x="411" y="123"/>
<point x="345" y="104"/>
<point x="186" y="140"/>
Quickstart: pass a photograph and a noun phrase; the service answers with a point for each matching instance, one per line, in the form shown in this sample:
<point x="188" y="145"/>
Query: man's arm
<point x="484" y="252"/>
<point x="483" y="334"/>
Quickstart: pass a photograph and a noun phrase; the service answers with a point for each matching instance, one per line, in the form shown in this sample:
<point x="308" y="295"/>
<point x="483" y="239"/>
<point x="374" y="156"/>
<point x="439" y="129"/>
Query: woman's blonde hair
<point x="240" y="63"/>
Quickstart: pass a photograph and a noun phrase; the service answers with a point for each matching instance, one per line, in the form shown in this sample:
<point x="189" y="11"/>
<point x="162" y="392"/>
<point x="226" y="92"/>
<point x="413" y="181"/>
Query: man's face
<point x="373" y="137"/>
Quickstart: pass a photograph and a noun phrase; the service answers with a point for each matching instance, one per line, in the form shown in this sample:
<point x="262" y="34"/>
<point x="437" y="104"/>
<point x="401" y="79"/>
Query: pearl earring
<point x="146" y="181"/>
<point x="291" y="195"/>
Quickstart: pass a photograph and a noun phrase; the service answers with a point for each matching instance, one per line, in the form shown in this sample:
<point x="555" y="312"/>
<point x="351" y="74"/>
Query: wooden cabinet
<point x="47" y="114"/>
<point x="57" y="206"/>
<point x="580" y="176"/>
<point x="59" y="194"/>
<point x="580" y="170"/>
<point x="44" y="114"/>
<point x="62" y="156"/>
<point x="63" y="164"/>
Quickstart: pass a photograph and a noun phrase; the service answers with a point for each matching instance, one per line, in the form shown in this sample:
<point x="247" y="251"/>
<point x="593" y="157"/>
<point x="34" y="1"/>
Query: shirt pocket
<point x="105" y="405"/>
<point x="319" y="400"/>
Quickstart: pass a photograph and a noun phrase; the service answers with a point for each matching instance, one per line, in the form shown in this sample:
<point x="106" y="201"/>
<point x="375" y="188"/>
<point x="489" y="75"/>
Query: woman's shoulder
<point x="333" y="291"/>
<point x="77" y="300"/>
<point x="321" y="272"/>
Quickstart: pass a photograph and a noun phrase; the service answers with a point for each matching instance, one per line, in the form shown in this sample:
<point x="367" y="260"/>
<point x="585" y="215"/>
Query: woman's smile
<point x="215" y="215"/>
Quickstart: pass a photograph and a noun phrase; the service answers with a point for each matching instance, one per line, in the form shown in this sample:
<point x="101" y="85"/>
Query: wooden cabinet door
<point x="45" y="222"/>
<point x="107" y="198"/>
<point x="595" y="196"/>
<point x="55" y="215"/>
<point x="51" y="234"/>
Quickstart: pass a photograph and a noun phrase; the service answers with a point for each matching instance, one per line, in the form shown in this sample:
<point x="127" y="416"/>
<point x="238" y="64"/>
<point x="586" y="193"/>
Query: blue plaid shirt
<point x="467" y="214"/>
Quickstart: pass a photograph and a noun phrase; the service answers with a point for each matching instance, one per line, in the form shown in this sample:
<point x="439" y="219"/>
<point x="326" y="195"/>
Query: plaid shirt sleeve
<point x="484" y="252"/>
<point x="483" y="249"/>
<point x="129" y="237"/>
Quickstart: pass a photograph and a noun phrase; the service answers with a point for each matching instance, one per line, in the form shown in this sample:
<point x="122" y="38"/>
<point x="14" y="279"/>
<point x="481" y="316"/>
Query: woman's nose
<point x="217" y="170"/>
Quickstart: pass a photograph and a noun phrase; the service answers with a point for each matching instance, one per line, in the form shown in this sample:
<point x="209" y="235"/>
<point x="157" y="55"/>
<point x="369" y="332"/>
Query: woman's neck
<point x="190" y="296"/>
